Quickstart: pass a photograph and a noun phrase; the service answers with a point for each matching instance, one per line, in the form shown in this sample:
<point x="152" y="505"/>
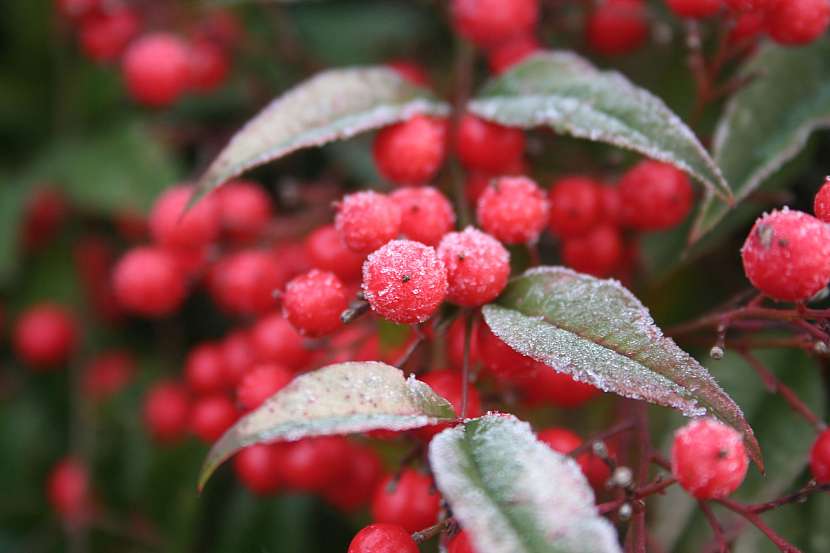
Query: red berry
<point x="94" y="262"/>
<point x="222" y="27"/>
<point x="787" y="255"/>
<point x="173" y="225"/>
<point x="502" y="361"/>
<point x="478" y="267"/>
<point x="107" y="374"/>
<point x="598" y="253"/>
<point x="748" y="26"/>
<point x="46" y="211"/>
<point x="257" y="467"/>
<point x="576" y="206"/>
<point x="449" y="385"/>
<point x="155" y="69"/>
<point x="708" y="459"/>
<point x="367" y="220"/>
<point x="45" y="336"/>
<point x="564" y="441"/>
<point x="655" y="196"/>
<point x="412" y="151"/>
<point x="327" y="252"/>
<point x="314" y="301"/>
<point x="211" y="415"/>
<point x="166" y="411"/>
<point x="487" y="146"/>
<point x="513" y="209"/>
<point x="131" y="225"/>
<point x="544" y="385"/>
<point x="820" y="458"/>
<point x="455" y="343"/>
<point x="355" y="487"/>
<point x="274" y="339"/>
<point x="404" y="281"/>
<point x="148" y="281"/>
<point x="410" y="71"/>
<point x="104" y="36"/>
<point x="245" y="282"/>
<point x="426" y="214"/>
<point x="260" y="383"/>
<point x="510" y="53"/>
<point x="204" y="369"/>
<point x="748" y="5"/>
<point x="67" y="490"/>
<point x="617" y="27"/>
<point x="410" y="502"/>
<point x="238" y="356"/>
<point x="461" y="544"/>
<point x="313" y="464"/>
<point x="695" y="8"/>
<point x="488" y="22"/>
<point x="821" y="204"/>
<point x="75" y="9"/>
<point x="796" y="22"/>
<point x="244" y="210"/>
<point x="383" y="538"/>
<point x="207" y="65"/>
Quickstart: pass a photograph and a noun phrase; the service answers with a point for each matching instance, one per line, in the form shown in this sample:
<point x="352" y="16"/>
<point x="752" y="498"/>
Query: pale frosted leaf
<point x="567" y="93"/>
<point x="513" y="493"/>
<point x="338" y="399"/>
<point x="598" y="332"/>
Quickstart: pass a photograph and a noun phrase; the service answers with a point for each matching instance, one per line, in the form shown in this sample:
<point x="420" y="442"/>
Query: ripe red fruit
<point x="617" y="27"/>
<point x="327" y="252"/>
<point x="564" y="441"/>
<point x="410" y="502"/>
<point x="244" y="283"/>
<point x="172" y="225"/>
<point x="821" y="204"/>
<point x="576" y="206"/>
<point x="543" y="385"/>
<point x="46" y="211"/>
<point x="367" y="220"/>
<point x="488" y="22"/>
<point x="222" y="27"/>
<point x="148" y="281"/>
<point x="260" y="383"/>
<point x="455" y="343"/>
<point x="104" y="36"/>
<point x="478" y="267"/>
<point x="514" y="51"/>
<point x="787" y="255"/>
<point x="502" y="361"/>
<point x="426" y="214"/>
<point x="204" y="369"/>
<point x="107" y="374"/>
<point x="404" y="281"/>
<point x="275" y="339"/>
<point x="45" y="336"/>
<point x="599" y="253"/>
<point x="244" y="210"/>
<point x="796" y="22"/>
<point x="820" y="458"/>
<point x="94" y="260"/>
<point x="749" y="5"/>
<point x="708" y="459"/>
<point x="487" y="146"/>
<point x="166" y="411"/>
<point x="75" y="9"/>
<point x="211" y="415"/>
<point x="314" y="301"/>
<point x="449" y="385"/>
<point x="383" y="538"/>
<point x="356" y="485"/>
<point x="412" y="151"/>
<point x="257" y="467"/>
<point x="695" y="8"/>
<point x="748" y="27"/>
<point x="654" y="196"/>
<point x="410" y="71"/>
<point x="513" y="209"/>
<point x="238" y="356"/>
<point x="67" y="490"/>
<point x="208" y="65"/>
<point x="313" y="464"/>
<point x="155" y="69"/>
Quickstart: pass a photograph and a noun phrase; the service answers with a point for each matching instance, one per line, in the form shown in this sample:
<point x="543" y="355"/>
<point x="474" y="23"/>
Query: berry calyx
<point x="260" y="383"/>
<point x="820" y="458"/>
<point x="383" y="538"/>
<point x="367" y="220"/>
<point x="426" y="214"/>
<point x="576" y="206"/>
<point x="708" y="459"/>
<point x="166" y="411"/>
<point x="148" y="281"/>
<point x="695" y="8"/>
<point x="45" y="336"/>
<point x="156" y="69"/>
<point x="796" y="22"/>
<point x="488" y="147"/>
<point x="314" y="301"/>
<point x="617" y="27"/>
<point x="410" y="501"/>
<point x="175" y="226"/>
<point x="513" y="209"/>
<point x="257" y="467"/>
<point x="488" y="22"/>
<point x="654" y="196"/>
<point x="411" y="152"/>
<point x="478" y="267"/>
<point x="211" y="415"/>
<point x="821" y="203"/>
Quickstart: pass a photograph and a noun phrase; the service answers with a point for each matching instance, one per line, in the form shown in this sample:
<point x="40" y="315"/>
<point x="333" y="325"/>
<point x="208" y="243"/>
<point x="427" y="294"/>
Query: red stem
<point x="755" y="520"/>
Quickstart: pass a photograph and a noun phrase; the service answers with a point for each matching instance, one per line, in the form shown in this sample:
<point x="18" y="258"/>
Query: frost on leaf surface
<point x="513" y="494"/>
<point x="599" y="333"/>
<point x="566" y="92"/>
<point x="338" y="399"/>
<point x="332" y="105"/>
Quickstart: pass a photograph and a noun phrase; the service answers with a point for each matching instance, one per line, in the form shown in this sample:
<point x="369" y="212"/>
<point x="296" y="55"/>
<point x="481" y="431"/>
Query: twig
<point x="429" y="533"/>
<point x="465" y="369"/>
<point x="717" y="529"/>
<point x="587" y="445"/>
<point x="796" y="497"/>
<point x="755" y="520"/>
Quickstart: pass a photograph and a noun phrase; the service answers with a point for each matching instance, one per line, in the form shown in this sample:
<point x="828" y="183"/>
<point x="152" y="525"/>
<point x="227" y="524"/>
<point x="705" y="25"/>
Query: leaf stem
<point x="715" y="525"/>
<point x="752" y="517"/>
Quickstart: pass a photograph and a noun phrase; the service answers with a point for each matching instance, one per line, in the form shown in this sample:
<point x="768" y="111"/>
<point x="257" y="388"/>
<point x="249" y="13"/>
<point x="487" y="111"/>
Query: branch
<point x="755" y="520"/>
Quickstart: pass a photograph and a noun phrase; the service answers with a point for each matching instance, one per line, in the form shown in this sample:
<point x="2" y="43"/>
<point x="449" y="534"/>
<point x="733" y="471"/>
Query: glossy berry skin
<point x="787" y="255"/>
<point x="500" y="360"/>
<point x="510" y="53"/>
<point x="449" y="385"/>
<point x="617" y="27"/>
<point x="488" y="22"/>
<point x="412" y="151"/>
<point x="599" y="253"/>
<point x="327" y="252"/>
<point x="576" y="206"/>
<point x="244" y="210"/>
<point x="107" y="374"/>
<point x="461" y="544"/>
<point x="654" y="196"/>
<point x="173" y="226"/>
<point x="367" y="220"/>
<point x="204" y="369"/>
<point x="797" y="22"/>
<point x="411" y="502"/>
<point x="426" y="214"/>
<point x="260" y="383"/>
<point x="45" y="336"/>
<point x="147" y="281"/>
<point x="513" y="209"/>
<point x="314" y="301"/>
<point x="489" y="147"/>
<point x="695" y="8"/>
<point x="68" y="490"/>
<point x="313" y="464"/>
<point x="543" y="385"/>
<point x="354" y="489"/>
<point x="244" y="283"/>
<point x="708" y="459"/>
<point x="275" y="339"/>
<point x="104" y="36"/>
<point x="404" y="281"/>
<point x="820" y="458"/>
<point x="257" y="467"/>
<point x="564" y="441"/>
<point x="238" y="356"/>
<point x="383" y="538"/>
<point x="166" y="411"/>
<point x="211" y="415"/>
<point x="156" y="69"/>
<point x="478" y="267"/>
<point x="208" y="66"/>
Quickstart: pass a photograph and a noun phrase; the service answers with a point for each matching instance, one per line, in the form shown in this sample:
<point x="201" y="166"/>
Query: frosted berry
<point x="708" y="459"/>
<point x="45" y="336"/>
<point x="68" y="490"/>
<point x="245" y="282"/>
<point x="355" y="487"/>
<point x="174" y="226"/>
<point x="410" y="70"/>
<point x="104" y="36"/>
<point x="404" y="281"/>
<point x="383" y="538"/>
<point x="617" y="27"/>
<point x="488" y="22"/>
<point x="820" y="458"/>
<point x="449" y="385"/>
<point x="576" y="206"/>
<point x="208" y="65"/>
<point x="796" y="22"/>
<point x="211" y="415"/>
<point x="487" y="146"/>
<point x="313" y="464"/>
<point x="695" y="8"/>
<point x="260" y="383"/>
<point x="412" y="151"/>
<point x="514" y="51"/>
<point x="275" y="339"/>
<point x="478" y="267"/>
<point x="461" y="544"/>
<point x="327" y="252"/>
<point x="155" y="69"/>
<point x="107" y="374"/>
<point x="599" y="253"/>
<point x="204" y="369"/>
<point x="166" y="411"/>
<point x="655" y="196"/>
<point x="787" y="255"/>
<point x="411" y="501"/>
<point x="238" y="356"/>
<point x="244" y="210"/>
<point x="502" y="361"/>
<point x="367" y="220"/>
<point x="148" y="281"/>
<point x="543" y="385"/>
<point x="314" y="301"/>
<point x="426" y="214"/>
<point x="821" y="204"/>
<point x="513" y="209"/>
<point x="258" y="469"/>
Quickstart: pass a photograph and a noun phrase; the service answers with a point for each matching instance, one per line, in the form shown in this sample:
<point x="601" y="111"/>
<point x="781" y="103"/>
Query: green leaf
<point x="333" y="105"/>
<point x="513" y="493"/>
<point x="768" y="122"/>
<point x="338" y="399"/>
<point x="598" y="332"/>
<point x="567" y="93"/>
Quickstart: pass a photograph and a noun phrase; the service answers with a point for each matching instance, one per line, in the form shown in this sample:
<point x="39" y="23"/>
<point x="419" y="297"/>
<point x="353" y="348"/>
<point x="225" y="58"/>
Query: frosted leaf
<point x="767" y="123"/>
<point x="514" y="494"/>
<point x="567" y="93"/>
<point x="332" y="105"/>
<point x="598" y="332"/>
<point x="338" y="399"/>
